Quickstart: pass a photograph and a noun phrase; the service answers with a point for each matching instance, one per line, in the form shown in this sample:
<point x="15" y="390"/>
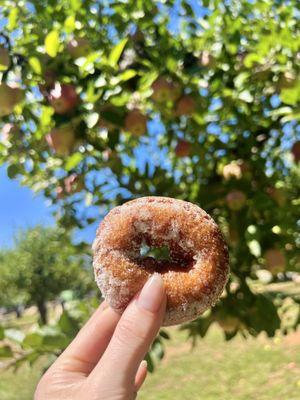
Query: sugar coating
<point x="195" y="278"/>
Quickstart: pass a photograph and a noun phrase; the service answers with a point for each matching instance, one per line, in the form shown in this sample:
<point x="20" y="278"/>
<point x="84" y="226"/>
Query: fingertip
<point x="152" y="294"/>
<point x="141" y="375"/>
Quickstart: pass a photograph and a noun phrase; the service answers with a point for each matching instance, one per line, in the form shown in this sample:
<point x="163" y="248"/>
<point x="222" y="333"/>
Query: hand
<point x="104" y="361"/>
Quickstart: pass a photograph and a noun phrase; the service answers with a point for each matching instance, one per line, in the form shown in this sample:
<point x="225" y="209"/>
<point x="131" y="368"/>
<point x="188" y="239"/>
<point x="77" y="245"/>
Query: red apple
<point x="262" y="72"/>
<point x="10" y="96"/>
<point x="137" y="36"/>
<point x="165" y="90"/>
<point x="236" y="169"/>
<point x="60" y="192"/>
<point x="62" y="140"/>
<point x="186" y="105"/>
<point x="287" y="80"/>
<point x="136" y="123"/>
<point x="296" y="151"/>
<point x="183" y="148"/>
<point x="4" y="59"/>
<point x="206" y="59"/>
<point x="236" y="200"/>
<point x="79" y="47"/>
<point x="8" y="131"/>
<point x="74" y="183"/>
<point x="103" y="122"/>
<point x="63" y="98"/>
<point x="275" y="260"/>
<point x="278" y="195"/>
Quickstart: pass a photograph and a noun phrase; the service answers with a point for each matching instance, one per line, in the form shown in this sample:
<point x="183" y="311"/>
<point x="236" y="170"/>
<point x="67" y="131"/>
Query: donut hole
<point x="162" y="259"/>
<point x="158" y="253"/>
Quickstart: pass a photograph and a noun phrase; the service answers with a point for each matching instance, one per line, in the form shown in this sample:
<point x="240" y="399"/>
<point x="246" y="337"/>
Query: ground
<point x="260" y="369"/>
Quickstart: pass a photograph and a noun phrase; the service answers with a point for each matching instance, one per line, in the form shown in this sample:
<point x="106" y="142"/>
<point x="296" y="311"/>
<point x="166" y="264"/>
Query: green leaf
<point x="33" y="340"/>
<point x="70" y="23"/>
<point x="158" y="351"/>
<point x="68" y="325"/>
<point x="33" y="357"/>
<point x="13" y="18"/>
<point x="75" y="4"/>
<point x="1" y="333"/>
<point x="291" y="96"/>
<point x="35" y="64"/>
<point x="5" y="352"/>
<point x="150" y="364"/>
<point x="116" y="52"/>
<point x="12" y="171"/>
<point x="164" y="335"/>
<point x="73" y="161"/>
<point x="126" y="75"/>
<point x="147" y="80"/>
<point x="55" y="341"/>
<point x="252" y="59"/>
<point x="52" y="43"/>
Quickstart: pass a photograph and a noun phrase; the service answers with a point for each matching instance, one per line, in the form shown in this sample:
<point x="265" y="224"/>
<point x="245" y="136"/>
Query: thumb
<point x="133" y="335"/>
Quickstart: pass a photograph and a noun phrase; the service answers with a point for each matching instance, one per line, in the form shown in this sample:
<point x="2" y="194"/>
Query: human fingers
<point x="133" y="336"/>
<point x="86" y="349"/>
<point x="140" y="375"/>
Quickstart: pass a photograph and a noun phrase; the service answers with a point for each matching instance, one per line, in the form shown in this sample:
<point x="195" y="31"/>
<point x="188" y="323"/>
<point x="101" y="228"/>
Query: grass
<point x="237" y="370"/>
<point x="261" y="369"/>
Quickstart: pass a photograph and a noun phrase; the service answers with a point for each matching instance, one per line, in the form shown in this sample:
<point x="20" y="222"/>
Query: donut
<point x="195" y="272"/>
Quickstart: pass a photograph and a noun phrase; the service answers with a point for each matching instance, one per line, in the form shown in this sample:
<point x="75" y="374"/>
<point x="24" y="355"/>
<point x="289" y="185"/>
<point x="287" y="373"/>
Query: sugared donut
<point x="195" y="274"/>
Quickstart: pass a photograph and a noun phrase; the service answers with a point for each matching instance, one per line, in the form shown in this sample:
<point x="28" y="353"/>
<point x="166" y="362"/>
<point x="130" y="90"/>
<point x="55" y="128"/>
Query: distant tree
<point x="42" y="264"/>
<point x="10" y="296"/>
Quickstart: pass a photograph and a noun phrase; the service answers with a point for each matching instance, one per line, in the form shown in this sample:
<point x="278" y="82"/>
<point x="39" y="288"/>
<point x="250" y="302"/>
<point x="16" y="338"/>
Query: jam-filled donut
<point x="195" y="272"/>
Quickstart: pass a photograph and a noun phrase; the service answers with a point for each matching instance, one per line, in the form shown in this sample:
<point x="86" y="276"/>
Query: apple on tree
<point x="79" y="47"/>
<point x="287" y="80"/>
<point x="165" y="90"/>
<point x="60" y="192"/>
<point x="4" y="59"/>
<point x="277" y="195"/>
<point x="236" y="200"/>
<point x="107" y="115"/>
<point x="10" y="96"/>
<point x="206" y="59"/>
<point x="183" y="148"/>
<point x="186" y="105"/>
<point x="63" y="98"/>
<point x="74" y="183"/>
<point x="235" y="169"/>
<point x="8" y="131"/>
<point x="296" y="151"/>
<point x="275" y="260"/>
<point x="136" y="123"/>
<point x="62" y="140"/>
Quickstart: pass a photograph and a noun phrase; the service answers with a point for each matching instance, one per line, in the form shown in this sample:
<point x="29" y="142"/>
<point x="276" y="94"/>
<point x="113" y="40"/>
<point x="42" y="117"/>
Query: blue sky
<point x="19" y="208"/>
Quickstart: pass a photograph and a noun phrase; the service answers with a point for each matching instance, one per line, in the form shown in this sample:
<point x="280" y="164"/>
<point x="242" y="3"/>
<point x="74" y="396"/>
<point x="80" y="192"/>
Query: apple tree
<point x="42" y="264"/>
<point x="104" y="101"/>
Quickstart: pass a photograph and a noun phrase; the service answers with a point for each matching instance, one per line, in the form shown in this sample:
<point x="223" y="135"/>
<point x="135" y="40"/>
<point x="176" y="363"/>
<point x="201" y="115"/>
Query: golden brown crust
<point x="195" y="278"/>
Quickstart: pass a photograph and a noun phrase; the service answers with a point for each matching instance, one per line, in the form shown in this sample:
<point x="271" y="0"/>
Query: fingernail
<point x="152" y="293"/>
<point x="144" y="364"/>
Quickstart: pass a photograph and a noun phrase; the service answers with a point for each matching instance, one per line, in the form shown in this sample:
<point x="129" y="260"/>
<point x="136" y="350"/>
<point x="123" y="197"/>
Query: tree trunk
<point x="41" y="305"/>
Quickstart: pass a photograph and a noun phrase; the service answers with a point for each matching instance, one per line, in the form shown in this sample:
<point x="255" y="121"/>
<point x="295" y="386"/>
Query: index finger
<point x="133" y="336"/>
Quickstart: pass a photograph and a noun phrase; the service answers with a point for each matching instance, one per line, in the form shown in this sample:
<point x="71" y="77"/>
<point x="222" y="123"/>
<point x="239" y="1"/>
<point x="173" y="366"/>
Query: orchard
<point x="197" y="101"/>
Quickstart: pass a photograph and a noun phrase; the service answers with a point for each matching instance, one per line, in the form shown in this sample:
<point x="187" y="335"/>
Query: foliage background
<point x="233" y="152"/>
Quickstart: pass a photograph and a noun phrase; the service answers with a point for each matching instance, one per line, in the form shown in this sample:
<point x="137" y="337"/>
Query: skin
<point x="105" y="360"/>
